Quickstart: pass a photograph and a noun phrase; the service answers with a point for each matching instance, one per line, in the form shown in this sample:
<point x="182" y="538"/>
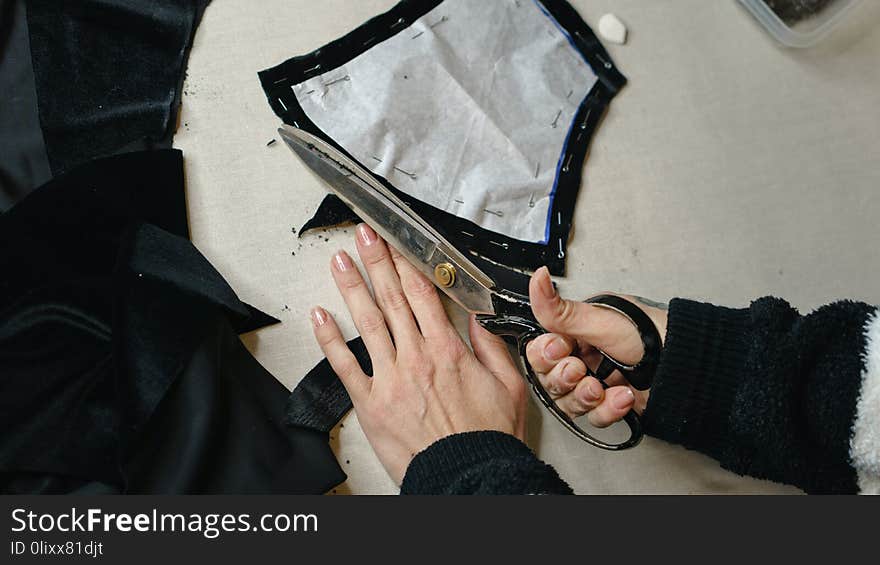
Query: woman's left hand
<point x="427" y="384"/>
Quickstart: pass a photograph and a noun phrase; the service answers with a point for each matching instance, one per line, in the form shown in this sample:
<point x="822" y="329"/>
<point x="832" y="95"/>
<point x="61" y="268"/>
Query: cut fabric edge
<point x="865" y="441"/>
<point x="464" y="234"/>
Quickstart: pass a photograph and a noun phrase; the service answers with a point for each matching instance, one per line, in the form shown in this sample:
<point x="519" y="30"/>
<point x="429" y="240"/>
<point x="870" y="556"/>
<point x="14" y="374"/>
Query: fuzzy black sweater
<point x="765" y="391"/>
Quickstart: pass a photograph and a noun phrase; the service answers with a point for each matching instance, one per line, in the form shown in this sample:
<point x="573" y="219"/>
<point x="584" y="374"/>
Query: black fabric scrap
<point x="331" y="212"/>
<point x="120" y="368"/>
<point x="496" y="247"/>
<point x="320" y="400"/>
<point x="109" y="73"/>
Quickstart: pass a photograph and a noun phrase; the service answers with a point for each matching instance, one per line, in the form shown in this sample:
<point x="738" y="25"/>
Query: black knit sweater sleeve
<point x="773" y="394"/>
<point x="480" y="463"/>
<point x="764" y="390"/>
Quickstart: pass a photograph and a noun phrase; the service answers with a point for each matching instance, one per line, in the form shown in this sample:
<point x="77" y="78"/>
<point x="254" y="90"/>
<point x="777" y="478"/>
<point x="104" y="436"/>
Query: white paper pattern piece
<point x="468" y="109"/>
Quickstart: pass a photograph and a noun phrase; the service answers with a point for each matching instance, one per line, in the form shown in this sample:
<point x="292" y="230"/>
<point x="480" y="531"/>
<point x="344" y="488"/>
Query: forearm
<point x="773" y="394"/>
<point x="480" y="463"/>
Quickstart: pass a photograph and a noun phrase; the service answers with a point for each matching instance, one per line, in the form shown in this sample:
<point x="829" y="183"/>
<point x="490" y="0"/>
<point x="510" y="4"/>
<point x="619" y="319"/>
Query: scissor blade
<point x="393" y="220"/>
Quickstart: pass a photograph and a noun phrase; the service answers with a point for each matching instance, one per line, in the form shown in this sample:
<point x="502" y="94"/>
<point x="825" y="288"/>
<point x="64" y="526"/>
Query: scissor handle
<point x="640" y="375"/>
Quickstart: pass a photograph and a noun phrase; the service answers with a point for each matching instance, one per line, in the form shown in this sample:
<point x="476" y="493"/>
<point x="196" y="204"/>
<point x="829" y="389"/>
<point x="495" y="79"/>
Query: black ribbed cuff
<point x="700" y="369"/>
<point x="431" y="471"/>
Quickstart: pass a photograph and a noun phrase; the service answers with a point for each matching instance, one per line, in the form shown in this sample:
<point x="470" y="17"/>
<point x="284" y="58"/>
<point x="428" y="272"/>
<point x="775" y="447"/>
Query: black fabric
<point x="480" y="463"/>
<point x="320" y="400"/>
<point x="120" y="368"/>
<point x="109" y="73"/>
<point x="766" y="391"/>
<point x="464" y="234"/>
<point x="331" y="212"/>
<point x="23" y="161"/>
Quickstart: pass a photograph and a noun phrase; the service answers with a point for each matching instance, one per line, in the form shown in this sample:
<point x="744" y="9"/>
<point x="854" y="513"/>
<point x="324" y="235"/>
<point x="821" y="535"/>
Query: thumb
<point x="579" y="320"/>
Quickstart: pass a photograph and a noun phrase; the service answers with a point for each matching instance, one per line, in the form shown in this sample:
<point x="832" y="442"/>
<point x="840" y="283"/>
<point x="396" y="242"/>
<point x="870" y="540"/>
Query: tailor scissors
<point x="500" y="311"/>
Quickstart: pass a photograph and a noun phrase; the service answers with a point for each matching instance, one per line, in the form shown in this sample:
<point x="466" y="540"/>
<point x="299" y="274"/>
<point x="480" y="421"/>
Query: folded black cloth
<point x="120" y="367"/>
<point x="23" y="161"/>
<point x="109" y="73"/>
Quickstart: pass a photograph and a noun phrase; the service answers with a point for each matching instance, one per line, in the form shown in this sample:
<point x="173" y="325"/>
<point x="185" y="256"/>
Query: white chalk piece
<point x="612" y="29"/>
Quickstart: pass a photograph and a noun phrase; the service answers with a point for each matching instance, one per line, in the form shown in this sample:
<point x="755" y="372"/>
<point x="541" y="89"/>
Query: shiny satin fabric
<point x="120" y="367"/>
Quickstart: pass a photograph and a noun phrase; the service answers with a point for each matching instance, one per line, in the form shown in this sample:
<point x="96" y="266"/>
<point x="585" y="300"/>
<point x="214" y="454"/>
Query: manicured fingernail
<point x="623" y="400"/>
<point x="570" y="373"/>
<point x="319" y="316"/>
<point x="342" y="261"/>
<point x="556" y="349"/>
<point x="366" y="233"/>
<point x="594" y="390"/>
<point x="546" y="284"/>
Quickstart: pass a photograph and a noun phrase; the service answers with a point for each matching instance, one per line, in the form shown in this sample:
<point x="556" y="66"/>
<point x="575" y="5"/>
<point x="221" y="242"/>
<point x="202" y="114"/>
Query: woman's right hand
<point x="577" y="330"/>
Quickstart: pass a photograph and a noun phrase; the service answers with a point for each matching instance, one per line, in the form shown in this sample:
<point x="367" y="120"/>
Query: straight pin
<point x="559" y="218"/>
<point x="532" y="200"/>
<point x="605" y="63"/>
<point x="468" y="234"/>
<point x="438" y="22"/>
<point x="410" y="175"/>
<point x="498" y="213"/>
<point x="310" y="92"/>
<point x="367" y="42"/>
<point x="537" y="169"/>
<point x="586" y="118"/>
<point x="398" y="23"/>
<point x="556" y="119"/>
<point x="567" y="163"/>
<point x="340" y="79"/>
<point x="375" y="158"/>
<point x="570" y="92"/>
<point x="417" y="35"/>
<point x="501" y="245"/>
<point x="459" y="201"/>
<point x="315" y="68"/>
<point x="283" y="105"/>
<point x="280" y="80"/>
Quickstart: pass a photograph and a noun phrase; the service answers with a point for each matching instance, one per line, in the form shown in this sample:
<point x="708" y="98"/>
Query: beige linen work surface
<point x="728" y="168"/>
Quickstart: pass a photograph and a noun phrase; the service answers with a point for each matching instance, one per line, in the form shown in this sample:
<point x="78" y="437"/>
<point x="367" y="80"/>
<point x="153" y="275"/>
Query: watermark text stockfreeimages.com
<point x="210" y="526"/>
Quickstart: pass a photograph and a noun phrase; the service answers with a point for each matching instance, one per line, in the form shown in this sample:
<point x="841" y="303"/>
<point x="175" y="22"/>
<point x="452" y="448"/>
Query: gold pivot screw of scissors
<point x="444" y="274"/>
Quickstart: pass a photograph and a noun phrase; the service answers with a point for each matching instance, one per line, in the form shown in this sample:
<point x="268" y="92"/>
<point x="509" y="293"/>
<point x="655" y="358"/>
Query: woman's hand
<point x="560" y="358"/>
<point x="427" y="384"/>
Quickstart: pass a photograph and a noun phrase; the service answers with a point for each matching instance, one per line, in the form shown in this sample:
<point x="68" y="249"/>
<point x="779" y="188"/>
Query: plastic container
<point x="799" y="23"/>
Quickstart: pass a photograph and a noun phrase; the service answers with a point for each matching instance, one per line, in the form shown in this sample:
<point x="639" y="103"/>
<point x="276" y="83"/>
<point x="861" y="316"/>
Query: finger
<point x="564" y="377"/>
<point x="546" y="351"/>
<point x="586" y="396"/>
<point x="596" y="326"/>
<point x="341" y="359"/>
<point x="423" y="298"/>
<point x="618" y="401"/>
<point x="387" y="287"/>
<point x="492" y="352"/>
<point x="366" y="315"/>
